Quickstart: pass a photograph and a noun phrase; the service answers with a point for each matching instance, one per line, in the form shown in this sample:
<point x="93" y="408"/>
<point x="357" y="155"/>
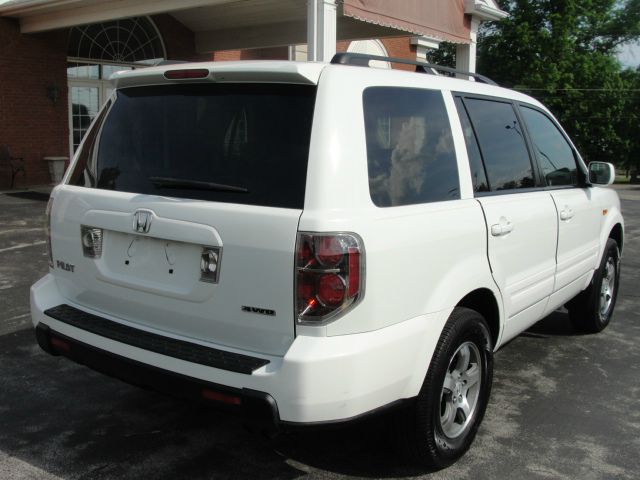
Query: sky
<point x="629" y="54"/>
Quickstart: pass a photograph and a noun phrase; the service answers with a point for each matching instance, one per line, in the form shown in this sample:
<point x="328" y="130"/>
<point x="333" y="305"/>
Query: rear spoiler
<point x="228" y="72"/>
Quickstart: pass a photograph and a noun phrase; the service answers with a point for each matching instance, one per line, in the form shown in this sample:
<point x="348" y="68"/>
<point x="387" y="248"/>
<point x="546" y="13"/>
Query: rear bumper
<point x="319" y="380"/>
<point x="256" y="407"/>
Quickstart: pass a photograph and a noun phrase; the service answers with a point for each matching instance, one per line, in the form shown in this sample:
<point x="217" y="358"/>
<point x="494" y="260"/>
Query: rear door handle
<point x="567" y="213"/>
<point x="502" y="228"/>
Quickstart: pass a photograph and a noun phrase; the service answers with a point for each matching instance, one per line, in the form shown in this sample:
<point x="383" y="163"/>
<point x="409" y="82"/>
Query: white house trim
<point x="321" y="30"/>
<point x="39" y="16"/>
<point x="423" y="45"/>
<point x="480" y="10"/>
<point x="485" y="10"/>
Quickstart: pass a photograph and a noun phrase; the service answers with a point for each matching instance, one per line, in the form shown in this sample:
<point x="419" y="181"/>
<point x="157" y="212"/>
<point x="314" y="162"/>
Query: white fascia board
<point x="67" y="13"/>
<point x="426" y="42"/>
<point x="486" y="10"/>
<point x="18" y="8"/>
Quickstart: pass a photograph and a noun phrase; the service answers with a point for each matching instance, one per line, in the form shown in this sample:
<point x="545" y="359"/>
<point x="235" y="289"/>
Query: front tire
<point x="591" y="310"/>
<point x="442" y="423"/>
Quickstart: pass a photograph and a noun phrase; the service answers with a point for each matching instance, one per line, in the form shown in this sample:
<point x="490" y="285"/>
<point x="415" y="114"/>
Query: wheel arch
<point x="617" y="234"/>
<point x="483" y="301"/>
<point x="482" y="296"/>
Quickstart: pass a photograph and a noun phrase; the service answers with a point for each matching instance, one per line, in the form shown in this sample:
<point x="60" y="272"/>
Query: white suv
<point x="313" y="242"/>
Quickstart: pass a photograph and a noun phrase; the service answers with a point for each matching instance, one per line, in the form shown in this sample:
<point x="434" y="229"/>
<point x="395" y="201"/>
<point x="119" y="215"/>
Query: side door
<point x="579" y="217"/>
<point x="521" y="219"/>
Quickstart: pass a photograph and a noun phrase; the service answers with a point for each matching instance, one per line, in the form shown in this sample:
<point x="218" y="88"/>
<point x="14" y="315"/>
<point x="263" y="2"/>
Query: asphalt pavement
<point x="563" y="406"/>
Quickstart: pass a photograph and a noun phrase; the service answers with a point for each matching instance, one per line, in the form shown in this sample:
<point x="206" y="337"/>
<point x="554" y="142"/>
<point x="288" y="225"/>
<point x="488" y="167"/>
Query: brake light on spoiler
<point x="186" y="73"/>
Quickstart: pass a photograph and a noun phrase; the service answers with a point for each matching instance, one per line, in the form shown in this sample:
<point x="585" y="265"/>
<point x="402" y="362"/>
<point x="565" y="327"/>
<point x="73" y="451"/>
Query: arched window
<point x="126" y="41"/>
<point x="94" y="53"/>
<point x="370" y="47"/>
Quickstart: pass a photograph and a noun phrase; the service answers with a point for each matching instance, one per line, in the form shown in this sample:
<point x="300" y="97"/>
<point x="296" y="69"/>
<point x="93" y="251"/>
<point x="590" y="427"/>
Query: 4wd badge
<point x="260" y="311"/>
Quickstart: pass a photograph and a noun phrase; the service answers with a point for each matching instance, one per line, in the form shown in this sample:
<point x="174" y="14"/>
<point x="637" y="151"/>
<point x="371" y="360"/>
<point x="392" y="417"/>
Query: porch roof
<point x="237" y="24"/>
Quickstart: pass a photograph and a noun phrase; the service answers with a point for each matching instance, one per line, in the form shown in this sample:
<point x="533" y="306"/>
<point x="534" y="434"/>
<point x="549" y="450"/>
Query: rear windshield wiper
<point x="169" y="182"/>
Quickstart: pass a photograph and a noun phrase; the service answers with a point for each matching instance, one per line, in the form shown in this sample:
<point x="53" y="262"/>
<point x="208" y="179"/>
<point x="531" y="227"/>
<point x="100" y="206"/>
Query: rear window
<point x="244" y="143"/>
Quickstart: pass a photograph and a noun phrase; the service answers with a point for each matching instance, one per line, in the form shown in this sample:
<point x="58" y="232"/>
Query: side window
<point x="553" y="152"/>
<point x="478" y="175"/>
<point x="502" y="144"/>
<point x="410" y="154"/>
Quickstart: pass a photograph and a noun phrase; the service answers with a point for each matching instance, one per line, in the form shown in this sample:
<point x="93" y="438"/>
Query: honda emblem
<point x="142" y="221"/>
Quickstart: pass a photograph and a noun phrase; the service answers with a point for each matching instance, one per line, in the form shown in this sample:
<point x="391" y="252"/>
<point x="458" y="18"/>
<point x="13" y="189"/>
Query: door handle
<point x="566" y="214"/>
<point x="502" y="228"/>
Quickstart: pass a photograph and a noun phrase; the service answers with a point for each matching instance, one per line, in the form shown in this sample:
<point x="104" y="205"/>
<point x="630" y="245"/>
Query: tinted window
<point x="410" y="151"/>
<point x="246" y="143"/>
<point x="478" y="175"/>
<point x="502" y="144"/>
<point x="554" y="154"/>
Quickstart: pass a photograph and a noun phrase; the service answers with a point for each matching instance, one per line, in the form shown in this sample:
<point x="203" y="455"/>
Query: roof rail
<point x="362" y="60"/>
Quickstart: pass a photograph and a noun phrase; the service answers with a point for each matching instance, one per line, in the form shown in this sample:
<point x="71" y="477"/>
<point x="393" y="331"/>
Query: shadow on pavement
<point x="71" y="422"/>
<point x="38" y="196"/>
<point x="556" y="324"/>
<point x="366" y="449"/>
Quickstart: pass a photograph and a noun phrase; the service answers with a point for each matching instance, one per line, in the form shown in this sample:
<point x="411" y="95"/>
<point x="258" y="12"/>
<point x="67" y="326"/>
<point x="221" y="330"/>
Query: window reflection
<point x="410" y="153"/>
<point x="554" y="154"/>
<point x="478" y="174"/>
<point x="502" y="144"/>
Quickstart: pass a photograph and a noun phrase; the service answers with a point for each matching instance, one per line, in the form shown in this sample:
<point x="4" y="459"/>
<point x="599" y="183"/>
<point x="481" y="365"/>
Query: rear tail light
<point x="329" y="275"/>
<point x="329" y="251"/>
<point x="47" y="230"/>
<point x="91" y="241"/>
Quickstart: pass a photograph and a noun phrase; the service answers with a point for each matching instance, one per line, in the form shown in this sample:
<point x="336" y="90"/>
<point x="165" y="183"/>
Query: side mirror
<point x="601" y="173"/>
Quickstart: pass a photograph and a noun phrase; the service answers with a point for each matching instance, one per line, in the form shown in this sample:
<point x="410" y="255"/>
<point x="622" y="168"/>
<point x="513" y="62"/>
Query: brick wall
<point x="226" y="55"/>
<point x="273" y="53"/>
<point x="179" y="41"/>
<point x="30" y="123"/>
<point x="399" y="47"/>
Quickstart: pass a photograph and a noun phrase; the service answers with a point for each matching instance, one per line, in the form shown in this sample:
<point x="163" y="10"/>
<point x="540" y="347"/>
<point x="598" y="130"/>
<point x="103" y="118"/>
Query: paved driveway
<point x="23" y="257"/>
<point x="563" y="405"/>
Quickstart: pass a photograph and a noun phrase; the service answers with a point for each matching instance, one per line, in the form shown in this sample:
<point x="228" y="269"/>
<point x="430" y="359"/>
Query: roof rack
<point x="362" y="60"/>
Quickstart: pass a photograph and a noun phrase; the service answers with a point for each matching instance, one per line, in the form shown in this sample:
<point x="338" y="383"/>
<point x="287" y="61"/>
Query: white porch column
<point x="321" y="30"/>
<point x="423" y="46"/>
<point x="466" y="53"/>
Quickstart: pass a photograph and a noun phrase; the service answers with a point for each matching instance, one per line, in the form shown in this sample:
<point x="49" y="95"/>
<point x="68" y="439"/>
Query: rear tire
<point x="591" y="310"/>
<point x="442" y="423"/>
